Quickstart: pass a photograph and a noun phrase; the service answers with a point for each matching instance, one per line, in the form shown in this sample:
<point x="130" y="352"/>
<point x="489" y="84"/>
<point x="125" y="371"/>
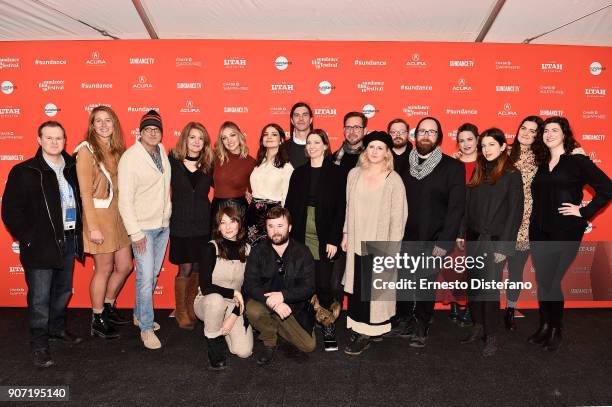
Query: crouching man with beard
<point x="279" y="281"/>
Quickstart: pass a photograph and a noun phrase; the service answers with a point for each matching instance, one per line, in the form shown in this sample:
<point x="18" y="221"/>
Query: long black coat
<point x="436" y="204"/>
<point x="32" y="212"/>
<point x="330" y="208"/>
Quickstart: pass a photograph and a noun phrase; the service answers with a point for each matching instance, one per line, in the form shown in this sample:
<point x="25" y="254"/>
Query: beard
<point x="278" y="239"/>
<point x="399" y="142"/>
<point x="425" y="147"/>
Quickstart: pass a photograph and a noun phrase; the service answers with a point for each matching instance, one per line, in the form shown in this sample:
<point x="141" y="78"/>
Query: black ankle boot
<point x="101" y="327"/>
<point x="216" y="353"/>
<point x="509" y="320"/>
<point x="465" y="318"/>
<point x="113" y="316"/>
<point x="540" y="335"/>
<point x="553" y="340"/>
<point x="454" y="311"/>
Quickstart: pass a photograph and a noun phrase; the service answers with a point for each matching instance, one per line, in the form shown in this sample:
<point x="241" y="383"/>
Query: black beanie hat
<point x="151" y="118"/>
<point x="378" y="136"/>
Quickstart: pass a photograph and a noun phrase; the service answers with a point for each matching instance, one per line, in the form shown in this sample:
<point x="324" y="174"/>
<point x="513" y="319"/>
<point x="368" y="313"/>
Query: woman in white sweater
<point x="269" y="180"/>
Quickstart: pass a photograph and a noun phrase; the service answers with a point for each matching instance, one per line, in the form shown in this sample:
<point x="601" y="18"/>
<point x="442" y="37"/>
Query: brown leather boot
<point x="181" y="315"/>
<point x="190" y="294"/>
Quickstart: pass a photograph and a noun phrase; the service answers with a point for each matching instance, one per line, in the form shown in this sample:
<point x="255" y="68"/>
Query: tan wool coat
<point x="390" y="227"/>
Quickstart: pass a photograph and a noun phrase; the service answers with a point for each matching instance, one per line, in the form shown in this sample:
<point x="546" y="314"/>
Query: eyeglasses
<point x="281" y="266"/>
<point x="398" y="132"/>
<point x="151" y="130"/>
<point x="423" y="132"/>
<point x="348" y="129"/>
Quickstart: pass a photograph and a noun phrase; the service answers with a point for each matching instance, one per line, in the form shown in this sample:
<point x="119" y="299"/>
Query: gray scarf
<point x="420" y="171"/>
<point x="345" y="150"/>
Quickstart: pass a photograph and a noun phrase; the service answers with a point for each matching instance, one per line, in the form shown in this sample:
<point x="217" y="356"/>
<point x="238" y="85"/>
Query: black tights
<point x="325" y="284"/>
<point x="186" y="269"/>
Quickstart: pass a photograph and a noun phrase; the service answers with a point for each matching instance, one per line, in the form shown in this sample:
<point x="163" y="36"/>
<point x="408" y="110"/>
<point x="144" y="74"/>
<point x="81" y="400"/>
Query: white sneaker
<point x="155" y="324"/>
<point x="150" y="340"/>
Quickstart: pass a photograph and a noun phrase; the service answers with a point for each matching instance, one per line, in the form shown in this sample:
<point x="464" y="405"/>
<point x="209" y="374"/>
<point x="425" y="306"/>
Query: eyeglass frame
<point x="151" y="130"/>
<point x="355" y="128"/>
<point x="430" y="132"/>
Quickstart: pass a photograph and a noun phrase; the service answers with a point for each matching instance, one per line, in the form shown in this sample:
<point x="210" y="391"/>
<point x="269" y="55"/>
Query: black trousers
<point x="516" y="266"/>
<point x="325" y="284"/>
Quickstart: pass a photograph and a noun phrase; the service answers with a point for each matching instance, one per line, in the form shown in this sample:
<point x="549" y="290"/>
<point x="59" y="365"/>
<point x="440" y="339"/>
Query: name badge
<point x="71" y="214"/>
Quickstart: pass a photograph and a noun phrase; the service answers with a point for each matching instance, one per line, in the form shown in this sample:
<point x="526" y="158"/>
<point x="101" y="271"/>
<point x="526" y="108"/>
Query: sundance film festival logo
<point x="416" y="110"/>
<point x="187" y="61"/>
<point x="189" y="107"/>
<point x="369" y="62"/>
<point x="507" y="111"/>
<point x="278" y="111"/>
<point x="461" y="86"/>
<point x="369" y="111"/>
<point x="50" y="62"/>
<point x="281" y="63"/>
<point x="325" y="112"/>
<point x="551" y="90"/>
<point x="51" y="109"/>
<point x="235" y="109"/>
<point x="95" y="59"/>
<point x="96" y="85"/>
<point x="189" y="85"/>
<point x="282" y="88"/>
<point x="552" y="67"/>
<point x="508" y="88"/>
<point x="371" y="86"/>
<point x="416" y="88"/>
<point x="506" y="65"/>
<point x="7" y="87"/>
<point x="235" y="86"/>
<point x="593" y="114"/>
<point x="142" y="83"/>
<point x="11" y="157"/>
<point x="415" y="62"/>
<point x="9" y="112"/>
<point x="464" y="63"/>
<point x="595" y="92"/>
<point x="9" y="62"/>
<point x="51" y="85"/>
<point x="593" y="137"/>
<point x="325" y="62"/>
<point x="142" y="61"/>
<point x="325" y="87"/>
<point x="9" y="135"/>
<point x="235" y="63"/>
<point x="551" y="112"/>
<point x="462" y="112"/>
<point x="91" y="106"/>
<point x="596" y="68"/>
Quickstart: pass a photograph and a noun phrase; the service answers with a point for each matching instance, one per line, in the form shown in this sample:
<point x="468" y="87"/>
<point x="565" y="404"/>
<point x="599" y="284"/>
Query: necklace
<point x="188" y="158"/>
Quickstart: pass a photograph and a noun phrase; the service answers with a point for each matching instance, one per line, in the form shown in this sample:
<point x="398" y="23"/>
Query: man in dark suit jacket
<point x="279" y="281"/>
<point x="435" y="189"/>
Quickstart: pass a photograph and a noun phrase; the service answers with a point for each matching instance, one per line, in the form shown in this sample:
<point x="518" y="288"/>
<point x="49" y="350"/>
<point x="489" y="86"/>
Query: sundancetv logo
<point x="11" y="157"/>
<point x="325" y="62"/>
<point x="593" y="137"/>
<point x="325" y="87"/>
<point x="142" y="61"/>
<point x="7" y="87"/>
<point x="235" y="109"/>
<point x="369" y="111"/>
<point x="507" y="88"/>
<point x="95" y="59"/>
<point x="9" y="62"/>
<point x="189" y="85"/>
<point x="51" y="85"/>
<point x="551" y="112"/>
<point x="463" y="63"/>
<point x="281" y="63"/>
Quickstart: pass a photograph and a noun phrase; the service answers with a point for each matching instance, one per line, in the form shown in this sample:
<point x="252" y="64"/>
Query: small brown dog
<point x="325" y="316"/>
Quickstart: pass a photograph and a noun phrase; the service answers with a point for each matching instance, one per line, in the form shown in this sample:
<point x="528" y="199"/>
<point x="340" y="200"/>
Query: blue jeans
<point x="49" y="291"/>
<point x="148" y="266"/>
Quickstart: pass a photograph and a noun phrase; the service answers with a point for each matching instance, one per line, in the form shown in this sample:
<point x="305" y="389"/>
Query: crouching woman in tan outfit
<point x="104" y="235"/>
<point x="220" y="303"/>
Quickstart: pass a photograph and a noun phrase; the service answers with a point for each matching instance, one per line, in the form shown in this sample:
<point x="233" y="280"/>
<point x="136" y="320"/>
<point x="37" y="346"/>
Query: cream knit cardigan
<point x="144" y="192"/>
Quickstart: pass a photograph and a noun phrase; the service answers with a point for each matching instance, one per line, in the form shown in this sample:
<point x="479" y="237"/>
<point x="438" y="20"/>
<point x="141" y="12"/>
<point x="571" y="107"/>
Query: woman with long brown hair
<point x="104" y="235"/>
<point x="191" y="162"/>
<point x="493" y="213"/>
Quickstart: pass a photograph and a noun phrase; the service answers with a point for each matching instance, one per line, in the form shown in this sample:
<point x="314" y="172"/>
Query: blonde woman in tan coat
<point x="104" y="235"/>
<point x="376" y="210"/>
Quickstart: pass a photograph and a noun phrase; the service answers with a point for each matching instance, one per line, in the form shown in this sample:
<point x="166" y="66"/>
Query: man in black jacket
<point x="41" y="208"/>
<point x="435" y="189"/>
<point x="279" y="281"/>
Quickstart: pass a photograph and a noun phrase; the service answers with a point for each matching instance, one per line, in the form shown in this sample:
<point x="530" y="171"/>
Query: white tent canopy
<point x="508" y="21"/>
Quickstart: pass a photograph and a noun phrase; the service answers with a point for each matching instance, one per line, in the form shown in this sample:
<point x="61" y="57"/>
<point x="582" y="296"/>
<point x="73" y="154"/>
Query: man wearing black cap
<point x="435" y="189"/>
<point x="144" y="204"/>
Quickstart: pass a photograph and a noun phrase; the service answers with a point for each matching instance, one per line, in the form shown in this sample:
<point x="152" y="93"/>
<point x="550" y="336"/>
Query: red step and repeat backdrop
<point x="257" y="82"/>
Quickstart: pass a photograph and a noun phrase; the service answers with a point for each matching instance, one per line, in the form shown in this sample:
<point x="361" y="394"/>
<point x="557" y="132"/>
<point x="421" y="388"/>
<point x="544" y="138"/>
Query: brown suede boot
<point x="190" y="294"/>
<point x="180" y="294"/>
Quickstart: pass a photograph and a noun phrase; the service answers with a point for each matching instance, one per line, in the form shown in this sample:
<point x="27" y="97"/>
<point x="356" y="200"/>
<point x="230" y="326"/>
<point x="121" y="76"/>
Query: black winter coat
<point x="190" y="207"/>
<point x="330" y="204"/>
<point x="32" y="212"/>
